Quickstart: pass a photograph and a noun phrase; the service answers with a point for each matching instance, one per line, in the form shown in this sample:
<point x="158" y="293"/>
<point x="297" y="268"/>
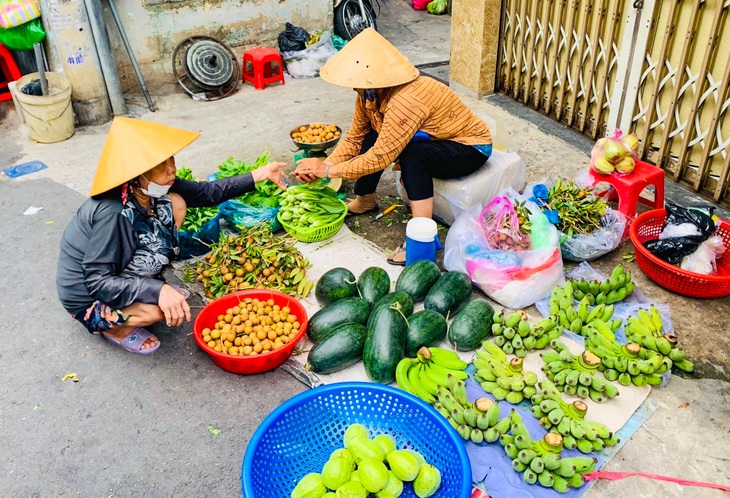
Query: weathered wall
<point x="155" y="27"/>
<point x="474" y="45"/>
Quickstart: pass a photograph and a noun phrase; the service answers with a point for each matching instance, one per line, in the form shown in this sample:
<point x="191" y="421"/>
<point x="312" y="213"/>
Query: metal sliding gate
<point x="659" y="68"/>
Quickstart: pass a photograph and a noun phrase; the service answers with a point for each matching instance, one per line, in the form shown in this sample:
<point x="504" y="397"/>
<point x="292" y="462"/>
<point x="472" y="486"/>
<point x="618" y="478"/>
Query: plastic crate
<point x="299" y="436"/>
<point x="648" y="226"/>
<point x="317" y="234"/>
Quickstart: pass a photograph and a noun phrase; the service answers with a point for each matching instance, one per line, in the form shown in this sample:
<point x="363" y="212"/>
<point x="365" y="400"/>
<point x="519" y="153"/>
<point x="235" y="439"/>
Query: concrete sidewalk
<point x="139" y="426"/>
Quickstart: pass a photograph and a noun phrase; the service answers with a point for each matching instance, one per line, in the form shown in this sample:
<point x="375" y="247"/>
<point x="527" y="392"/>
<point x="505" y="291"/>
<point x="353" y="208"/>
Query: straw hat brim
<point x="369" y="61"/>
<point x="133" y="147"/>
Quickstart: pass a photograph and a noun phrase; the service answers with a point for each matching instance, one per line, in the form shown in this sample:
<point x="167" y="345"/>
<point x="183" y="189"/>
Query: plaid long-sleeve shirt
<point x="424" y="104"/>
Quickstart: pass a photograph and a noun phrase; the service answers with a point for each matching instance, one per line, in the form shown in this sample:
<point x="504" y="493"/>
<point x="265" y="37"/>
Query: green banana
<point x="415" y="383"/>
<point x="491" y="435"/>
<point x="476" y="436"/>
<point x="502" y="426"/>
<point x="401" y="374"/>
<point x="529" y="476"/>
<point x="447" y="359"/>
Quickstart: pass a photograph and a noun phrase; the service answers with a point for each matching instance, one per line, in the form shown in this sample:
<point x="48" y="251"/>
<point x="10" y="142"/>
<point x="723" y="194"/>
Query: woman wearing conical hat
<point x="115" y="248"/>
<point x="400" y="117"/>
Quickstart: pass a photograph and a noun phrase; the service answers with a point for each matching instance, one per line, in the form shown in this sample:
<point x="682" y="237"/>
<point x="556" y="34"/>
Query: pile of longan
<point x="316" y="133"/>
<point x="252" y="328"/>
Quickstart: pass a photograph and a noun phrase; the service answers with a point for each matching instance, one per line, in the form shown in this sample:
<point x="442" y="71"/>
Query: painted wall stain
<point x="76" y="57"/>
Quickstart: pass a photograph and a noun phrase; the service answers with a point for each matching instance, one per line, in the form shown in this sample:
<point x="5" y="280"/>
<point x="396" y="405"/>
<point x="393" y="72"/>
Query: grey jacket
<point x="99" y="243"/>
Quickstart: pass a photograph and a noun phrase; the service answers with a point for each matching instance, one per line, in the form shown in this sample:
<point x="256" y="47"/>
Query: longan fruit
<point x="215" y="334"/>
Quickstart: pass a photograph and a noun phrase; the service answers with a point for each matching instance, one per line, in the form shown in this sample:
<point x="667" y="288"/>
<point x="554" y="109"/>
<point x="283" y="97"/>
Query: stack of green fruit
<point x="615" y="289"/>
<point x="577" y="375"/>
<point x="472" y="421"/>
<point x="503" y="379"/>
<point x="646" y="329"/>
<point x="367" y="466"/>
<point x="540" y="461"/>
<point x="431" y="369"/>
<point x="628" y="363"/>
<point x="516" y="336"/>
<point x="575" y="319"/>
<point x="569" y="421"/>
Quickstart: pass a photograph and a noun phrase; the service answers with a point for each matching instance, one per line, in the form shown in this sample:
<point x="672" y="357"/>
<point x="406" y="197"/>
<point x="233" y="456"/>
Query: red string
<point x="615" y="476"/>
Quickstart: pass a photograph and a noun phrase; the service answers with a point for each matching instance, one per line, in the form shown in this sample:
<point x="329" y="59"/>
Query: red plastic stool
<point x="629" y="187"/>
<point x="8" y="72"/>
<point x="261" y="72"/>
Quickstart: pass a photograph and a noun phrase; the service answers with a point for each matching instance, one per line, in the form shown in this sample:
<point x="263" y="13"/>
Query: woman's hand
<point x="272" y="171"/>
<point x="174" y="306"/>
<point x="311" y="168"/>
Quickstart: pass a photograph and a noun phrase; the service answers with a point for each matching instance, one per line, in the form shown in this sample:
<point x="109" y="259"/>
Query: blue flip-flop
<point x="134" y="341"/>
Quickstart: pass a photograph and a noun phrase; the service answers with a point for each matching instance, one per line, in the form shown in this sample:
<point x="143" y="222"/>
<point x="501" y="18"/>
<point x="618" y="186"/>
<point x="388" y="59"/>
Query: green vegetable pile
<point x="195" y="218"/>
<point x="580" y="212"/>
<point x="310" y="206"/>
<point x="266" y="194"/>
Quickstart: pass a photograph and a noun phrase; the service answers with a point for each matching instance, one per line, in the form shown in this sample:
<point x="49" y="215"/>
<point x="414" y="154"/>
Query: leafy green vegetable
<point x="309" y="206"/>
<point x="195" y="218"/>
<point x="266" y="193"/>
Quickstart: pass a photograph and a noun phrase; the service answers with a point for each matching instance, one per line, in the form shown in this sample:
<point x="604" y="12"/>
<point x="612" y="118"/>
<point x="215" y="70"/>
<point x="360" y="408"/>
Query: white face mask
<point x="155" y="189"/>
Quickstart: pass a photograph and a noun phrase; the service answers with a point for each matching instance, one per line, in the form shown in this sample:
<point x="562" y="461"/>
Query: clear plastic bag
<point x="307" y="63"/>
<point x="515" y="279"/>
<point x="615" y="154"/>
<point x="704" y="259"/>
<point x="582" y="247"/>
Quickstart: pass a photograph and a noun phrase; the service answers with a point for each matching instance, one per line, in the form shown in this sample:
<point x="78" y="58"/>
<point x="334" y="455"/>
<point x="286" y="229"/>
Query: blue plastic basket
<point x="299" y="436"/>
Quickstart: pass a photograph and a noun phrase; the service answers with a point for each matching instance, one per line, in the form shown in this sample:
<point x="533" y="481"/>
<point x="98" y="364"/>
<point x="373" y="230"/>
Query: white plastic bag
<point x="453" y="197"/>
<point x="307" y="63"/>
<point x="513" y="279"/>
<point x="602" y="241"/>
<point x="704" y="259"/>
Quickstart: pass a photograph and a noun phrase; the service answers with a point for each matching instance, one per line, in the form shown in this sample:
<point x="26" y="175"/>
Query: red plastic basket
<point x="249" y="364"/>
<point x="648" y="226"/>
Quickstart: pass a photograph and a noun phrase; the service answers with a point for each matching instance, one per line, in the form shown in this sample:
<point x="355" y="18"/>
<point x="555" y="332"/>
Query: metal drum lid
<point x="209" y="64"/>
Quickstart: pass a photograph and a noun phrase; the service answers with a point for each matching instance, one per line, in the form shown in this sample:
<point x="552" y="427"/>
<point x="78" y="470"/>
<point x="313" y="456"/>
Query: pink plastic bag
<point x="501" y="226"/>
<point x="420" y="4"/>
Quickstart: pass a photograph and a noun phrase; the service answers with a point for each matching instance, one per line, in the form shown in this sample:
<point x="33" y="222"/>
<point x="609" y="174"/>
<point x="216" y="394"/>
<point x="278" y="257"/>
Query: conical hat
<point x="133" y="147"/>
<point x="368" y="61"/>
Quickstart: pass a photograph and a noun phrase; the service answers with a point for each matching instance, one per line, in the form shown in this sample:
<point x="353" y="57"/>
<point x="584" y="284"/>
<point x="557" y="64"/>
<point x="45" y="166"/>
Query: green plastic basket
<point x="316" y="234"/>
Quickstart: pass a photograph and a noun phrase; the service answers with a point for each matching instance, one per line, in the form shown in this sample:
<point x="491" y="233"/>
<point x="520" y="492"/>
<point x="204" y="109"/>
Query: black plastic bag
<point x="32" y="88"/>
<point x="692" y="226"/>
<point x="293" y="38"/>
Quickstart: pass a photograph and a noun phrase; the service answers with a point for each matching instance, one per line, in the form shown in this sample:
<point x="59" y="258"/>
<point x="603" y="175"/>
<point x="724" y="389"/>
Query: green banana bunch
<point x="569" y="421"/>
<point x="514" y="334"/>
<point x="615" y="289"/>
<point x="646" y="329"/>
<point x="476" y="421"/>
<point x="540" y="462"/>
<point x="577" y="375"/>
<point x="503" y="379"/>
<point x="628" y="363"/>
<point x="423" y="375"/>
<point x="577" y="319"/>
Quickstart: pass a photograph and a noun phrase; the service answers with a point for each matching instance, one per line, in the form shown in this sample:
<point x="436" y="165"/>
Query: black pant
<point x="421" y="162"/>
